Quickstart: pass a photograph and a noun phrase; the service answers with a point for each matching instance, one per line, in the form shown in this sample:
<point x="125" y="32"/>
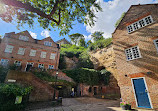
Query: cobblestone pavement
<point x="86" y="104"/>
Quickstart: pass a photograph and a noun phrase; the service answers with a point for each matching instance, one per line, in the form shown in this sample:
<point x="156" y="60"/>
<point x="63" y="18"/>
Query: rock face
<point x="105" y="58"/>
<point x="70" y="62"/>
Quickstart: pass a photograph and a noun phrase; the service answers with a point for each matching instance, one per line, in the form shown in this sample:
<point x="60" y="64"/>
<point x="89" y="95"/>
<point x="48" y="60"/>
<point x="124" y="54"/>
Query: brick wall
<point x="143" y="38"/>
<point x="13" y="39"/>
<point x="42" y="91"/>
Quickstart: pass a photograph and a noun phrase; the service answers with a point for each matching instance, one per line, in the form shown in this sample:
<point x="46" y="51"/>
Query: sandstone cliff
<point x="105" y="58"/>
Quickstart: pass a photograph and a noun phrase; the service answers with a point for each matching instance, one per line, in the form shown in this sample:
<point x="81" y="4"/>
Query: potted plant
<point x="125" y="106"/>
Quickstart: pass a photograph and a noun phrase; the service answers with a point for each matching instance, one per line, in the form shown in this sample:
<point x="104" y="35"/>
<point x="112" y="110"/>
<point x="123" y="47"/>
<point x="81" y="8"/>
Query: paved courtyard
<point x="86" y="104"/>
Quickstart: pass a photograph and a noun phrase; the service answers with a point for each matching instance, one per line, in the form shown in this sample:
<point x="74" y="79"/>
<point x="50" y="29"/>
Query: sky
<point x="105" y="22"/>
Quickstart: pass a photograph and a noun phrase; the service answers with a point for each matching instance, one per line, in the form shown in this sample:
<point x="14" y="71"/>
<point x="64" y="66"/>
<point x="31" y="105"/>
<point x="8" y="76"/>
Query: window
<point x="43" y="54"/>
<point x="4" y="62"/>
<point x="9" y="48"/>
<point x="21" y="51"/>
<point x="17" y="63"/>
<point x="156" y="44"/>
<point x="47" y="43"/>
<point x="132" y="53"/>
<point x="41" y="66"/>
<point x="52" y="56"/>
<point x="139" y="24"/>
<point x="24" y="38"/>
<point x="32" y="52"/>
<point x="50" y="66"/>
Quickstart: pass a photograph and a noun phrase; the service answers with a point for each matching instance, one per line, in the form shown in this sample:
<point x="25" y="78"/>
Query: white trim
<point x="145" y="87"/>
<point x="140" y="56"/>
<point x="152" y="21"/>
<point x="28" y="63"/>
<point x="156" y="45"/>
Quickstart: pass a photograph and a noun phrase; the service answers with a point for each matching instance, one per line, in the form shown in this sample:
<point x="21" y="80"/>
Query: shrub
<point x="100" y="44"/>
<point x="8" y="93"/>
<point x="3" y="73"/>
<point x="88" y="76"/>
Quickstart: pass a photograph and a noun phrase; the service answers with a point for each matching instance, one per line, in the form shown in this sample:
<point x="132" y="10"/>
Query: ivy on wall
<point x="89" y="76"/>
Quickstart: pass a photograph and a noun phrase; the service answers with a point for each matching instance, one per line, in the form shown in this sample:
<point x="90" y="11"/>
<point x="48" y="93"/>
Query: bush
<point x="88" y="76"/>
<point x="8" y="93"/>
<point x="43" y="75"/>
<point x="3" y="73"/>
<point x="100" y="44"/>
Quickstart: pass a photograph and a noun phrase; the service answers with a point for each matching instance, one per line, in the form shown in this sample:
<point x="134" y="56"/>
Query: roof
<point x="129" y="15"/>
<point x="62" y="40"/>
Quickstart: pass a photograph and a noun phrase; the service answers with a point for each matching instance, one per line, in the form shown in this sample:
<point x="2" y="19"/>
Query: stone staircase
<point x="42" y="91"/>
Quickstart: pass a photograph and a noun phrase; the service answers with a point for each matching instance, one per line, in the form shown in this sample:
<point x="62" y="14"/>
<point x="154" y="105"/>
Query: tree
<point x="49" y="13"/>
<point x="82" y="42"/>
<point x="119" y="20"/>
<point x="97" y="36"/>
<point x="77" y="38"/>
<point x="89" y="42"/>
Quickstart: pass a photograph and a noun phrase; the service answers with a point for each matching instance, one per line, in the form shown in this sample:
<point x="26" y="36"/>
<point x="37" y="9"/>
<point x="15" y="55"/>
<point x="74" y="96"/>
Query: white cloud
<point x="112" y="11"/>
<point x="87" y="37"/>
<point x="34" y="35"/>
<point x="45" y="33"/>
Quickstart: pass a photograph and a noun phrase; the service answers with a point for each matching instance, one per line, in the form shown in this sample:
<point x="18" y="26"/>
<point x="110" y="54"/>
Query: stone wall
<point x="105" y="58"/>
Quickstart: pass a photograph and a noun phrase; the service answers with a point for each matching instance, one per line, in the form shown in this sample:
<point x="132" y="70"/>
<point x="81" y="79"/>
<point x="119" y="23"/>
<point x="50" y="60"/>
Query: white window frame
<point x="133" y="53"/>
<point x="17" y="64"/>
<point x="41" y="66"/>
<point x="138" y="24"/>
<point x="43" y="54"/>
<point x="51" y="67"/>
<point x="33" y="52"/>
<point x="21" y="51"/>
<point x="47" y="43"/>
<point x="52" y="56"/>
<point x="9" y="49"/>
<point x="24" y="38"/>
<point x="6" y="61"/>
<point x="156" y="44"/>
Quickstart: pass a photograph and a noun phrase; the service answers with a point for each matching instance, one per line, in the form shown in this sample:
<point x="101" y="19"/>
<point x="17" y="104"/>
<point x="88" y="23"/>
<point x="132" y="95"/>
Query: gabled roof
<point x="134" y="12"/>
<point x="62" y="40"/>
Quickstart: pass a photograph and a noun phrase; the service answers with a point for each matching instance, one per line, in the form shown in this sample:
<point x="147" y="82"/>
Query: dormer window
<point x="47" y="43"/>
<point x="24" y="38"/>
<point x="140" y="23"/>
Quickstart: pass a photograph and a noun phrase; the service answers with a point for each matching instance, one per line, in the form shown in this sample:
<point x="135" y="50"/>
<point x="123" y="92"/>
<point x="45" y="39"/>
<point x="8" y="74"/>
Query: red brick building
<point x="21" y="49"/>
<point x="136" y="47"/>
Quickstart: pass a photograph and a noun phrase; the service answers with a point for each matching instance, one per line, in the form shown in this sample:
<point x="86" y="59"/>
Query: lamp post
<point x="56" y="77"/>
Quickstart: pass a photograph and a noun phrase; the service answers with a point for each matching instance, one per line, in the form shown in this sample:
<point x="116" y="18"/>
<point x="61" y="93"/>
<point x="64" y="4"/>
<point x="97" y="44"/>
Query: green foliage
<point x="119" y="20"/>
<point x="71" y="50"/>
<point x="8" y="93"/>
<point x="50" y="13"/>
<point x="3" y="73"/>
<point x="88" y="76"/>
<point x="14" y="89"/>
<point x="97" y="36"/>
<point x="99" y="44"/>
<point x="62" y="63"/>
<point x="43" y="75"/>
<point x="84" y="61"/>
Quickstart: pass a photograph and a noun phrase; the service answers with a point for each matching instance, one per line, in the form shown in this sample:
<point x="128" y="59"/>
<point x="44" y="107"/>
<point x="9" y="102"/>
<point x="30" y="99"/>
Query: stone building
<point x="136" y="48"/>
<point x="22" y="50"/>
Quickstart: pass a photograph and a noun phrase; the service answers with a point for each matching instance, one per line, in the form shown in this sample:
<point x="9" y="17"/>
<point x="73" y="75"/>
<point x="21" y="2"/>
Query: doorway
<point x="29" y="65"/>
<point x="141" y="93"/>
